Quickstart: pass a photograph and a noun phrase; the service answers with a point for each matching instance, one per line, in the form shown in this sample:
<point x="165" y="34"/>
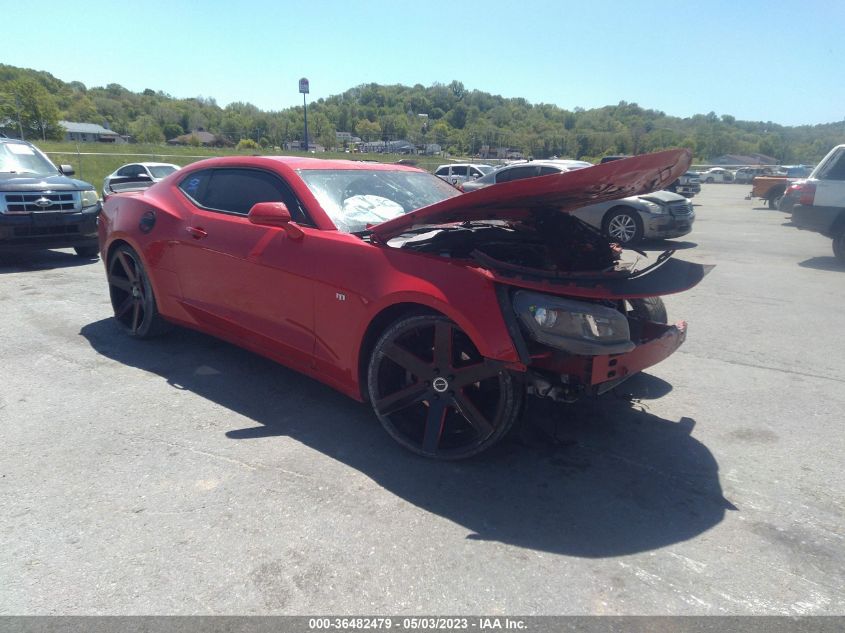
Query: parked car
<point x="716" y="174"/>
<point x="459" y="173"/>
<point x="821" y="201"/>
<point x="659" y="214"/>
<point x="136" y="173"/>
<point x="441" y="309"/>
<point x="688" y="185"/>
<point x="41" y="206"/>
<point x="745" y="175"/>
<point x="791" y="196"/>
<point x="525" y="169"/>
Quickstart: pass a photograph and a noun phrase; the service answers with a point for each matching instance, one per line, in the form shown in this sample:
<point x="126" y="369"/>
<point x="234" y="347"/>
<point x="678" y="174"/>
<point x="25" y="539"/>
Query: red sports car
<point x="441" y="309"/>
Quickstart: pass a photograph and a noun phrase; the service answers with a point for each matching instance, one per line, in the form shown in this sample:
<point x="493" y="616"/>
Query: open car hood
<point x="565" y="191"/>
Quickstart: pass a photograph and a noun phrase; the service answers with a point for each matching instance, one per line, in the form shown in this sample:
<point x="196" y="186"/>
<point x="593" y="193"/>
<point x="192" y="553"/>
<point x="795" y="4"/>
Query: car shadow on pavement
<point x="823" y="263"/>
<point x="24" y="261"/>
<point x="665" y="245"/>
<point x="604" y="477"/>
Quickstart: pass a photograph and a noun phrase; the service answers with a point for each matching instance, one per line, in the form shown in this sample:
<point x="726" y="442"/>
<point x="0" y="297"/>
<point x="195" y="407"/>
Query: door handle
<point x="197" y="232"/>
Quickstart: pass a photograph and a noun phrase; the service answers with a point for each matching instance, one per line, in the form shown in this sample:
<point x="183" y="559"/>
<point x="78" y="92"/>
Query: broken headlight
<point x="578" y="327"/>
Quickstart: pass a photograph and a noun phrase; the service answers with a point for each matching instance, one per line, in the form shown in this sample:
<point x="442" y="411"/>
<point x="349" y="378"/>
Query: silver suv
<point x="460" y="173"/>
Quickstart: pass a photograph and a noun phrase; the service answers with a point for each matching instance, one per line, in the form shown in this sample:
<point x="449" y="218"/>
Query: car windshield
<point x="355" y="198"/>
<point x="19" y="158"/>
<point x="485" y="169"/>
<point x="160" y="171"/>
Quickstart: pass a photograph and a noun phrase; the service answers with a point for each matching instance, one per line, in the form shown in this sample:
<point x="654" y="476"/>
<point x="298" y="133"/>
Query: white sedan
<point x="717" y="174"/>
<point x="137" y="173"/>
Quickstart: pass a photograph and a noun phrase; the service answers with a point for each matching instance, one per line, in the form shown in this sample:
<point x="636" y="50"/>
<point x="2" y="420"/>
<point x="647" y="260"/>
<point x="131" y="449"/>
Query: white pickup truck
<point x="821" y="207"/>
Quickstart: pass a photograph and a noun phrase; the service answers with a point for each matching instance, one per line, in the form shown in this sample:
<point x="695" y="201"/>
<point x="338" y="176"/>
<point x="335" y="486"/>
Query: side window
<point x="443" y="171"/>
<point x="459" y="170"/>
<point x="237" y="190"/>
<point x="194" y="186"/>
<point x="474" y="173"/>
<point x="835" y="170"/>
<point x="517" y="173"/>
<point x="126" y="172"/>
<point x="545" y="171"/>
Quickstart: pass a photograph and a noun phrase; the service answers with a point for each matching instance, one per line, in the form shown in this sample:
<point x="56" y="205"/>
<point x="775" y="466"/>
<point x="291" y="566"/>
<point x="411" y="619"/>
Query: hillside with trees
<point x="463" y="122"/>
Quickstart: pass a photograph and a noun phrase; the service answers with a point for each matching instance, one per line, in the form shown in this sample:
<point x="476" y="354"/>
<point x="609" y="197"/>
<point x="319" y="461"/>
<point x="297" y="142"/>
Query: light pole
<point x="303" y="88"/>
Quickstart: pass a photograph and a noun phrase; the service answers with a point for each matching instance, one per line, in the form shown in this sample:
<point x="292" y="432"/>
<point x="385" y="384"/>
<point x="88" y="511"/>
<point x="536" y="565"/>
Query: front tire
<point x="435" y="394"/>
<point x="623" y="225"/>
<point x="132" y="295"/>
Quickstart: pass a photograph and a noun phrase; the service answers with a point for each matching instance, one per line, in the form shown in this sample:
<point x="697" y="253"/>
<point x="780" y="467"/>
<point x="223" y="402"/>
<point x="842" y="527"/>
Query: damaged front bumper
<point x="561" y="376"/>
<point x="556" y="369"/>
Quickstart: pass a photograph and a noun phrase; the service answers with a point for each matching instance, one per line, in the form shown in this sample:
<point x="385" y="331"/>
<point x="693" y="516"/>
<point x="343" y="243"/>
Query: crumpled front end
<point x="565" y="377"/>
<point x="588" y="333"/>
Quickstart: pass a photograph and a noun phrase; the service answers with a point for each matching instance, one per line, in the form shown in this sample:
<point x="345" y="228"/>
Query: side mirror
<point x="67" y="170"/>
<point x="275" y="214"/>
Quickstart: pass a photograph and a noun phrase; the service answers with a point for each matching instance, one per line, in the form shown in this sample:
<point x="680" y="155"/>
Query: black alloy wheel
<point x="132" y="296"/>
<point x="435" y="394"/>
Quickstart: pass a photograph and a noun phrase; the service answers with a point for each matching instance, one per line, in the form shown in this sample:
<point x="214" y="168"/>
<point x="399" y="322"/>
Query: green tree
<point x="172" y="130"/>
<point x="27" y="103"/>
<point x="146" y="130"/>
<point x="81" y="108"/>
<point x="247" y="143"/>
<point x="368" y="130"/>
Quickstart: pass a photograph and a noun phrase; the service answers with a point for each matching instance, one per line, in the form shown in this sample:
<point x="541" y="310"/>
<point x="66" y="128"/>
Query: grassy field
<point x="94" y="161"/>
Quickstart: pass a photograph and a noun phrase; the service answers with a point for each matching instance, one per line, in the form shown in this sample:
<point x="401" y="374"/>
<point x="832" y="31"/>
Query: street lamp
<point x="303" y="88"/>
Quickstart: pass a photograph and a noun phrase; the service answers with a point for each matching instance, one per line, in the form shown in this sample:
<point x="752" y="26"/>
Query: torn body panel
<point x="670" y="277"/>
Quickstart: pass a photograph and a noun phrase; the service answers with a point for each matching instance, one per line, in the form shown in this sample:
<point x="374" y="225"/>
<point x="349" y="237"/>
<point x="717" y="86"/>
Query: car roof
<point x="549" y="163"/>
<point x="14" y="140"/>
<point x="464" y="165"/>
<point x="300" y="163"/>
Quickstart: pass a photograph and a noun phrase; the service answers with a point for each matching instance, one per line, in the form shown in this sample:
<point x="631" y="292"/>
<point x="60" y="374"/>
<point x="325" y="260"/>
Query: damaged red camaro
<point x="441" y="309"/>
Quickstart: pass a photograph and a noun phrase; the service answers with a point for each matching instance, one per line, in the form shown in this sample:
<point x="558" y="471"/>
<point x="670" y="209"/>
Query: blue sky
<point x="753" y="59"/>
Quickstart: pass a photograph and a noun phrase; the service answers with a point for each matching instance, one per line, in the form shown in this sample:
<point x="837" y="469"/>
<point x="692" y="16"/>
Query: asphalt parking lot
<point x="185" y="476"/>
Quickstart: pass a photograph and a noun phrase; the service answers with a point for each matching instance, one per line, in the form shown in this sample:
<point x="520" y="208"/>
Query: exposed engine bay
<point x="550" y="242"/>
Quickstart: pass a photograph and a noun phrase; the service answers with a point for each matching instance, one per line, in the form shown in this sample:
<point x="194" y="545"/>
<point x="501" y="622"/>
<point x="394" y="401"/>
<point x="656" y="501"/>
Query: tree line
<point x="462" y="122"/>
